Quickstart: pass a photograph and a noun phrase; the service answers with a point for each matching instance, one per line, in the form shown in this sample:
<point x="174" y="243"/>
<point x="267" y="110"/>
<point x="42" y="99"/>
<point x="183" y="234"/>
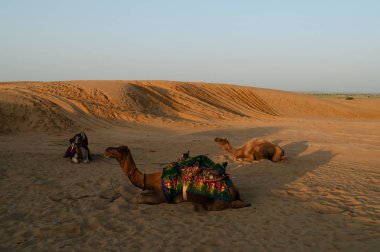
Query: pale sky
<point x="288" y="45"/>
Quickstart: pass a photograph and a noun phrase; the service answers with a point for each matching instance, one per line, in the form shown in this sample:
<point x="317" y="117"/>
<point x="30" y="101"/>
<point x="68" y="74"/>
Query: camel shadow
<point x="294" y="150"/>
<point x="258" y="180"/>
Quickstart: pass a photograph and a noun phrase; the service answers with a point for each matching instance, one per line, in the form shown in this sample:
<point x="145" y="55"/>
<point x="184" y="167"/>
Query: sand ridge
<point x="57" y="106"/>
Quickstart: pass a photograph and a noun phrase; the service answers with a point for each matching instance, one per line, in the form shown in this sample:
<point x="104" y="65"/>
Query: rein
<point x="131" y="173"/>
<point x="117" y="194"/>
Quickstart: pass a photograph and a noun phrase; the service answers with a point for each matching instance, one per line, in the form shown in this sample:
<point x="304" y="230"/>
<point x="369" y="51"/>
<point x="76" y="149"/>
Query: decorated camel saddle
<point x="78" y="150"/>
<point x="196" y="175"/>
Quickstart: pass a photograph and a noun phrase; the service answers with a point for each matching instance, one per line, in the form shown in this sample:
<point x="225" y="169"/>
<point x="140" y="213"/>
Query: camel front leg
<point x="217" y="205"/>
<point x="178" y="199"/>
<point x="249" y="158"/>
<point x="150" y="198"/>
<point x="239" y="204"/>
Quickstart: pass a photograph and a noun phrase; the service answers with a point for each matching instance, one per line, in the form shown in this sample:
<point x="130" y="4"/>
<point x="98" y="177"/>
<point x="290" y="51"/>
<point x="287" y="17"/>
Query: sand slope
<point x="57" y="106"/>
<point x="325" y="197"/>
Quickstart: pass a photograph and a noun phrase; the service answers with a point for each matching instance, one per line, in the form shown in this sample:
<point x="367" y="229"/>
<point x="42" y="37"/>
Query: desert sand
<point x="324" y="197"/>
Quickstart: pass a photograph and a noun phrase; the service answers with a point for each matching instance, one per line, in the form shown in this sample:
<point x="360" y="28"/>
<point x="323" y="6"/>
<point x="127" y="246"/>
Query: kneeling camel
<point x="253" y="150"/>
<point x="154" y="183"/>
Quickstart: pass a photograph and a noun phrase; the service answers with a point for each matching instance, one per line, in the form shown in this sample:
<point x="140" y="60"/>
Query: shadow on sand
<point x="257" y="180"/>
<point x="293" y="150"/>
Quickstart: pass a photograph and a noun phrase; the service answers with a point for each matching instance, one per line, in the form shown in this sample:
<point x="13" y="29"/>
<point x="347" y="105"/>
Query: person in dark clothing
<point x="78" y="150"/>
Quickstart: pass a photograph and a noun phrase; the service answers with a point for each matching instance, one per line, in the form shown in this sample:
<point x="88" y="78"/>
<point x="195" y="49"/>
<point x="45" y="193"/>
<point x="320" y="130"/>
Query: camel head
<point x="222" y="141"/>
<point x="116" y="152"/>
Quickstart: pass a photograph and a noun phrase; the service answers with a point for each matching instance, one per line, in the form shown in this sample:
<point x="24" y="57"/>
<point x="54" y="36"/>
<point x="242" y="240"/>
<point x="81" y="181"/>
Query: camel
<point x="154" y="183"/>
<point x="253" y="150"/>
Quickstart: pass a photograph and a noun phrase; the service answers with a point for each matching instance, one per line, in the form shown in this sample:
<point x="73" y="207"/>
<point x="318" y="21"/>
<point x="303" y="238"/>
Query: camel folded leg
<point x="150" y="198"/>
<point x="218" y="205"/>
<point x="239" y="204"/>
<point x="148" y="192"/>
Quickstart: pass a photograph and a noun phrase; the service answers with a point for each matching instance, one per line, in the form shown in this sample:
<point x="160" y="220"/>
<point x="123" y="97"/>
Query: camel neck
<point x="136" y="177"/>
<point x="231" y="149"/>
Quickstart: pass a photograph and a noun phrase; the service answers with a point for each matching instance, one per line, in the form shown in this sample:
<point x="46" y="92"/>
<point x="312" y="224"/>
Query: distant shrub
<point x="349" y="98"/>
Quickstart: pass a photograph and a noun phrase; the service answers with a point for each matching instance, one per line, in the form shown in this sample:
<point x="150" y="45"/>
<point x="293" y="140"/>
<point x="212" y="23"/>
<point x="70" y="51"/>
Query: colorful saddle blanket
<point x="198" y="175"/>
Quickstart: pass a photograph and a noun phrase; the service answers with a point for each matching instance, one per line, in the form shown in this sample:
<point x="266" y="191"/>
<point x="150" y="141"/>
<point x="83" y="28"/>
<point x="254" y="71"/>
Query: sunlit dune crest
<point x="57" y="106"/>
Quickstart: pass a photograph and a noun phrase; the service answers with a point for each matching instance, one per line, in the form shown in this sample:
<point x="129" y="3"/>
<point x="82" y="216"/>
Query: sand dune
<point x="325" y="197"/>
<point x="57" y="106"/>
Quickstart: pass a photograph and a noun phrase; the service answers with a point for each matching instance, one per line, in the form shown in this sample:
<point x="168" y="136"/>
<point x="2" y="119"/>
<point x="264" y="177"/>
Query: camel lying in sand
<point x="158" y="186"/>
<point x="253" y="150"/>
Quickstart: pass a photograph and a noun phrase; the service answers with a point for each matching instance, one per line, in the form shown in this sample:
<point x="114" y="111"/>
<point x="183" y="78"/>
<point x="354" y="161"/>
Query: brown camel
<point x="154" y="183"/>
<point x="253" y="150"/>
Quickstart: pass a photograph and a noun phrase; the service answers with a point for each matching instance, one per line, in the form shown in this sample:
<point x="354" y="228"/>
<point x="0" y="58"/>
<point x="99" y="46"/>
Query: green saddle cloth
<point x="201" y="175"/>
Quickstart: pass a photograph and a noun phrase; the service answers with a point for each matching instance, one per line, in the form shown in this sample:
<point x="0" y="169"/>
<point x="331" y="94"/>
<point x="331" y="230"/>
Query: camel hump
<point x="267" y="150"/>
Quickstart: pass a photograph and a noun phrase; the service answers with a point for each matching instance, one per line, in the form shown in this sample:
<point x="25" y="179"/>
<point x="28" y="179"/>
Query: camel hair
<point x="252" y="150"/>
<point x="153" y="183"/>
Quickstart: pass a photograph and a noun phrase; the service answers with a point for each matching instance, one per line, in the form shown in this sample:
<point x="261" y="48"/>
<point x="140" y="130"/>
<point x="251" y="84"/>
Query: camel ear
<point x="283" y="156"/>
<point x="123" y="149"/>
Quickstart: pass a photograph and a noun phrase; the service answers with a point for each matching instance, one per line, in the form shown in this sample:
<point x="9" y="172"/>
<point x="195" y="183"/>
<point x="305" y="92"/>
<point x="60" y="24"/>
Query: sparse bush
<point x="349" y="98"/>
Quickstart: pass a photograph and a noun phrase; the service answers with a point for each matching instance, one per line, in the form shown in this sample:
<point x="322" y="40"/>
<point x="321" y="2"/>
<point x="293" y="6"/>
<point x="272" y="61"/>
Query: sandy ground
<point x="325" y="197"/>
